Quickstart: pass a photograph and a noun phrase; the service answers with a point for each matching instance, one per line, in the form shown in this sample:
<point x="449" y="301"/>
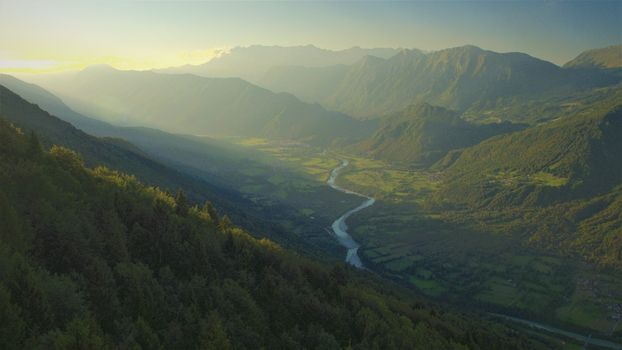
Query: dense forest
<point x="92" y="258"/>
<point x="560" y="181"/>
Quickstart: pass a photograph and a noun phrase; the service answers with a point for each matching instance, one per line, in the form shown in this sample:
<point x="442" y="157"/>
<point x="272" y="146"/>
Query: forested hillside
<point x="422" y="134"/>
<point x="120" y="155"/>
<point x="91" y="258"/>
<point x="561" y="181"/>
<point x="567" y="158"/>
<point x="198" y="152"/>
<point x="54" y="105"/>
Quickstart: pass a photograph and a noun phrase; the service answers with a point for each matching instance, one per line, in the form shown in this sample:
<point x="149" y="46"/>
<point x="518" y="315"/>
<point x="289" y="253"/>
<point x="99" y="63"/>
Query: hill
<point x="92" y="258"/>
<point x="543" y="109"/>
<point x="422" y="134"/>
<point x="251" y="63"/>
<point x="120" y="155"/>
<point x="561" y="182"/>
<point x="202" y="106"/>
<point x="607" y="57"/>
<point x="247" y="177"/>
<point x="158" y="144"/>
<point x="574" y="156"/>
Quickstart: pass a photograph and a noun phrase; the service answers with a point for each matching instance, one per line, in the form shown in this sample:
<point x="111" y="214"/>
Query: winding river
<point x="341" y="232"/>
<point x="340" y="228"/>
<point x="587" y="340"/>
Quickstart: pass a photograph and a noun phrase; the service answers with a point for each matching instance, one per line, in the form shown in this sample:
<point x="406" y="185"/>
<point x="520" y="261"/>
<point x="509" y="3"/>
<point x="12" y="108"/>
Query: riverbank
<point x="339" y="226"/>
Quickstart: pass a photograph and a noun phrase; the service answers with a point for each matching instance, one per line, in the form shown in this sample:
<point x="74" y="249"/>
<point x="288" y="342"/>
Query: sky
<point x="50" y="36"/>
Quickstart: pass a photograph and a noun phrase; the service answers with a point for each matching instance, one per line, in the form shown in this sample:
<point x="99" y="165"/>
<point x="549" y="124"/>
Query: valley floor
<point x="467" y="257"/>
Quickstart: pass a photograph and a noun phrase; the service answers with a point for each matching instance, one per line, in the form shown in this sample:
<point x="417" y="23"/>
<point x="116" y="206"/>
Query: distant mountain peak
<point x="464" y="48"/>
<point x="370" y="60"/>
<point x="251" y="63"/>
<point x="606" y="57"/>
<point x="101" y="66"/>
<point x="469" y="47"/>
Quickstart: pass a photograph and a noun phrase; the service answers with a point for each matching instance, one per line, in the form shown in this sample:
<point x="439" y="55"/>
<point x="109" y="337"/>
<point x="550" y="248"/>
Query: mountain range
<point x="251" y="63"/>
<point x="202" y="106"/>
<point x="456" y="78"/>
<point x="91" y="230"/>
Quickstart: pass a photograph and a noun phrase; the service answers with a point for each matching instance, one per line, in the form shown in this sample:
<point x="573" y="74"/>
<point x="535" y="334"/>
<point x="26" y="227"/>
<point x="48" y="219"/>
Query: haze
<point x="50" y="36"/>
<point x="311" y="175"/>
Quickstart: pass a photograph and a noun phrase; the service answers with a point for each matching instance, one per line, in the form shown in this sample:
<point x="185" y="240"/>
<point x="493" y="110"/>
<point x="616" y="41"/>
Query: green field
<point x="460" y="256"/>
<point x="510" y="179"/>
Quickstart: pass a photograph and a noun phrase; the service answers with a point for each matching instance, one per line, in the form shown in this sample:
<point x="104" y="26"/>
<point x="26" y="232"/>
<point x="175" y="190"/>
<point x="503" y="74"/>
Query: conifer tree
<point x="181" y="202"/>
<point x="34" y="146"/>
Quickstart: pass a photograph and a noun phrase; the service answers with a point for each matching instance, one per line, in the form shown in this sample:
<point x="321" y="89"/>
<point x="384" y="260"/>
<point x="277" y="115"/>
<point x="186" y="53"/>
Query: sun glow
<point x="156" y="61"/>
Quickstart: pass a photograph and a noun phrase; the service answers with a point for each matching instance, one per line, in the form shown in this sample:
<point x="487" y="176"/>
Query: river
<point x="340" y="228"/>
<point x="587" y="340"/>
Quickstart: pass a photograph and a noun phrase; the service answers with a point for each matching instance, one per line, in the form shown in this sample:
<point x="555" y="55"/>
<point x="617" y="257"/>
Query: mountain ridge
<point x="251" y="62"/>
<point x="455" y="78"/>
<point x="191" y="104"/>
<point x="602" y="58"/>
<point x="422" y="134"/>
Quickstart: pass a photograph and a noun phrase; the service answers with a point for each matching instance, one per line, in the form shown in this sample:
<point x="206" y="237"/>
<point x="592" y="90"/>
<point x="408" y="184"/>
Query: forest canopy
<point x="92" y="258"/>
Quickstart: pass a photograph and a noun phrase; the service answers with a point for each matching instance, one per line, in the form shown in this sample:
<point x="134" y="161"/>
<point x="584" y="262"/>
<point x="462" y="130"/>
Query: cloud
<point x="12" y="64"/>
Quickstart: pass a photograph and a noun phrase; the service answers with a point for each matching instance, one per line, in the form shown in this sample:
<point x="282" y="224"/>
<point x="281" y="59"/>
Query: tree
<point x="12" y="326"/>
<point x="181" y="203"/>
<point x="34" y="146"/>
<point x="213" y="335"/>
<point x="80" y="334"/>
<point x="145" y="336"/>
<point x="211" y="211"/>
<point x="225" y="224"/>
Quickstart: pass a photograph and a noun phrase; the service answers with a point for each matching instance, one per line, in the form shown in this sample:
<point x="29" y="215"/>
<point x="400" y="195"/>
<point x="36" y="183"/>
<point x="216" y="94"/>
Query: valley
<point x="414" y="230"/>
<point x="334" y="175"/>
<point x="488" y="267"/>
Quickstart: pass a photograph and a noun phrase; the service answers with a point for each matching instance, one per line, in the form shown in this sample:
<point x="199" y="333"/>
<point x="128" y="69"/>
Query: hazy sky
<point x="53" y="35"/>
